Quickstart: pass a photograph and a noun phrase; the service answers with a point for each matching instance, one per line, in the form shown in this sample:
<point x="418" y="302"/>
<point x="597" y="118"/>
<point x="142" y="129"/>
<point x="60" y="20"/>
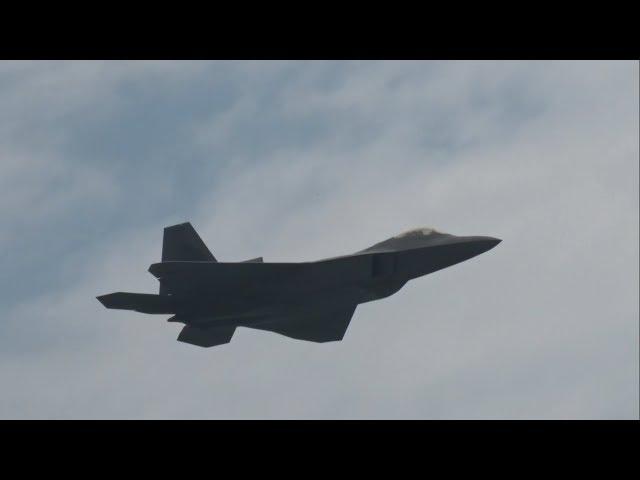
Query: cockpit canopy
<point x="415" y="238"/>
<point x="418" y="232"/>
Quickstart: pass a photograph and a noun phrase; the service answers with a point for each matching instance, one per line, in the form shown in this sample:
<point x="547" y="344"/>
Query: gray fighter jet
<point x="311" y="301"/>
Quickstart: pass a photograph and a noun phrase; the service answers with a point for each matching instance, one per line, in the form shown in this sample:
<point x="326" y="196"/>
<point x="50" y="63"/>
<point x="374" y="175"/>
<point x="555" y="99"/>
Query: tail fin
<point x="140" y="302"/>
<point x="182" y="243"/>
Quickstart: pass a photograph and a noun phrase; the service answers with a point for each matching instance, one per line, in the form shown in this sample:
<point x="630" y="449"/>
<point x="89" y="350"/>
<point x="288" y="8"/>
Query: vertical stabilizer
<point x="182" y="243"/>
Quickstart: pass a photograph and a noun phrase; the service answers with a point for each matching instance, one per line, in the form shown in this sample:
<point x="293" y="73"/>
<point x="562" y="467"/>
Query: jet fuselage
<point x="307" y="300"/>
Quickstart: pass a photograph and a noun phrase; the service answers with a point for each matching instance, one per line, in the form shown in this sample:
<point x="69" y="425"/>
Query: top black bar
<point x="435" y="37"/>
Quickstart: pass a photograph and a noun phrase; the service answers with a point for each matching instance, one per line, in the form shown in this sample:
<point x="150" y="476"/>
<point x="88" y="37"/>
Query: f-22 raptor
<point x="311" y="301"/>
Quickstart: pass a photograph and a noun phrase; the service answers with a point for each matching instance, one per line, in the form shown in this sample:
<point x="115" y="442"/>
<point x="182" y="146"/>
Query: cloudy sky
<point x="304" y="160"/>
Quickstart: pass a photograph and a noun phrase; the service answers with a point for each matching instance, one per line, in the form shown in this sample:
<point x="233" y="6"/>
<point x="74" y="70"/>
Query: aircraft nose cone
<point x="485" y="243"/>
<point x="491" y="241"/>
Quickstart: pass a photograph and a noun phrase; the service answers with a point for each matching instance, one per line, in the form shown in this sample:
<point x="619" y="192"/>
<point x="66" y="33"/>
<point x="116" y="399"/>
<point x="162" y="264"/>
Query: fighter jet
<point x="311" y="301"/>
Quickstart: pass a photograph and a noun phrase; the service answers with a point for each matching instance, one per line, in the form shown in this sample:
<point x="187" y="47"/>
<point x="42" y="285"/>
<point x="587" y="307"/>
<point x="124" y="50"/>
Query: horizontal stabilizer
<point x="206" y="337"/>
<point x="140" y="302"/>
<point x="182" y="243"/>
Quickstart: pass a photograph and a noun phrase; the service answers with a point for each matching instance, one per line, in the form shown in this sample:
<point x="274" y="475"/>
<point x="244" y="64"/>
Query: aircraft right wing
<point x="321" y="325"/>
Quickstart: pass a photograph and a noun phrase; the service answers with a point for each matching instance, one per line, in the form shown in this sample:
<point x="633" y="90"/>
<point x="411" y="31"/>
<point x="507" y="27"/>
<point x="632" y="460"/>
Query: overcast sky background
<point x="303" y="160"/>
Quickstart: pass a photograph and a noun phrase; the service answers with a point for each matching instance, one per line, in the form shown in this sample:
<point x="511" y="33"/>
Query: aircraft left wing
<point x="327" y="324"/>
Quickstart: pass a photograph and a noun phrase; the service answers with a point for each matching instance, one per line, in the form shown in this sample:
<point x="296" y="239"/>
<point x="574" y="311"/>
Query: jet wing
<point x="206" y="337"/>
<point x="327" y="324"/>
